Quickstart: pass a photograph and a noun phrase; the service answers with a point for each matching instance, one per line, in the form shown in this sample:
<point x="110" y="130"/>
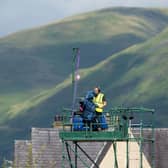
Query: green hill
<point x="134" y="76"/>
<point x="38" y="59"/>
<point x="35" y="66"/>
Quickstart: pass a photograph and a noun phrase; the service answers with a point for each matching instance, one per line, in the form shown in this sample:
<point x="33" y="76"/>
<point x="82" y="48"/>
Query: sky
<point x="16" y="15"/>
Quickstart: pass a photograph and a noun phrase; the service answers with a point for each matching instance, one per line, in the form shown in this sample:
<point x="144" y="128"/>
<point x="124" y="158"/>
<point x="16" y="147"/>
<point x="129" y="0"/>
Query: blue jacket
<point x="89" y="107"/>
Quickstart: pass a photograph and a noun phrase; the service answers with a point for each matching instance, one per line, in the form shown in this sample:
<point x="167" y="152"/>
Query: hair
<point x="98" y="87"/>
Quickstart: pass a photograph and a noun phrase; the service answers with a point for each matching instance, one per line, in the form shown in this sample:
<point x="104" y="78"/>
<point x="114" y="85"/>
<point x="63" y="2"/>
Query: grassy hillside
<point x="35" y="66"/>
<point x="134" y="76"/>
<point x="38" y="59"/>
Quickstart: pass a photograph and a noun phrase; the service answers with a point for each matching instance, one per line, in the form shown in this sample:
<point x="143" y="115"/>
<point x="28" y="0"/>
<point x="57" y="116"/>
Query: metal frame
<point x="66" y="155"/>
<point x="119" y="125"/>
<point x="75" y="72"/>
<point x="118" y="120"/>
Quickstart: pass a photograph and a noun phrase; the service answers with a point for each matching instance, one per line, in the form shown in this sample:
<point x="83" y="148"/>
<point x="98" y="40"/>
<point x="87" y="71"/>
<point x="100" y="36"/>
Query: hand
<point x="101" y="106"/>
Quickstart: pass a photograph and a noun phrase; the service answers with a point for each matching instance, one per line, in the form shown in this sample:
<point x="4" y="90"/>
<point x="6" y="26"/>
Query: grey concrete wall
<point x="23" y="153"/>
<point x="47" y="149"/>
<point x="160" y="146"/>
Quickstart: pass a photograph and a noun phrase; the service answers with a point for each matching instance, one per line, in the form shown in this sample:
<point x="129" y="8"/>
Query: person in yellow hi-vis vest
<point x="100" y="102"/>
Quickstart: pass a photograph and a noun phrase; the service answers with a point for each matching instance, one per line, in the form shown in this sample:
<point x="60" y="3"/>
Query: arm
<point x="104" y="102"/>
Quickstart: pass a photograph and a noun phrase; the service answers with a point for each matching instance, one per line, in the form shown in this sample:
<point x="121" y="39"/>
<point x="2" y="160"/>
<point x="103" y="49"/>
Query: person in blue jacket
<point x="89" y="112"/>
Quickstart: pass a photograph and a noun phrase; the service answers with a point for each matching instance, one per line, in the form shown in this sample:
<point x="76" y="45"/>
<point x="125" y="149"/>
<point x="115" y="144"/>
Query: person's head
<point x="97" y="90"/>
<point x="89" y="95"/>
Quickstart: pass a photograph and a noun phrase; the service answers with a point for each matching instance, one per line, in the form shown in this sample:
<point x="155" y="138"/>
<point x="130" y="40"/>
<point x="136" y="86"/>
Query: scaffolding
<point x="120" y="122"/>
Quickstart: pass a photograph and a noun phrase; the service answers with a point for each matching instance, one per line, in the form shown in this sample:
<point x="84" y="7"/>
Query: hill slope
<point x="134" y="76"/>
<point x="35" y="66"/>
<point x="38" y="59"/>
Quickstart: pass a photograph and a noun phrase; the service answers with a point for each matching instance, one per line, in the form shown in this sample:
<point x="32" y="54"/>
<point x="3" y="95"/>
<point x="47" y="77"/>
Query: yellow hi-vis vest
<point x="98" y="100"/>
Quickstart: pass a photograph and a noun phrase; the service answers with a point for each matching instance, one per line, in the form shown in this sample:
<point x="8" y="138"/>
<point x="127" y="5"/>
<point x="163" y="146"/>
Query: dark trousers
<point x="98" y="119"/>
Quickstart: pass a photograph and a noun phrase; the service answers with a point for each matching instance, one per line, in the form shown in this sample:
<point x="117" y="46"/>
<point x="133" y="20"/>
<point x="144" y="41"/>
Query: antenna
<point x="75" y="75"/>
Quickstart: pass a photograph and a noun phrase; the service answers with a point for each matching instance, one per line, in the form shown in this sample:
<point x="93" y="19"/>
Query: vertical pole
<point x="127" y="162"/>
<point x="75" y="66"/>
<point x="76" y="164"/>
<point x="63" y="156"/>
<point x="73" y="78"/>
<point x="140" y="150"/>
<point x="115" y="155"/>
<point x="127" y="144"/>
<point x="153" y="142"/>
